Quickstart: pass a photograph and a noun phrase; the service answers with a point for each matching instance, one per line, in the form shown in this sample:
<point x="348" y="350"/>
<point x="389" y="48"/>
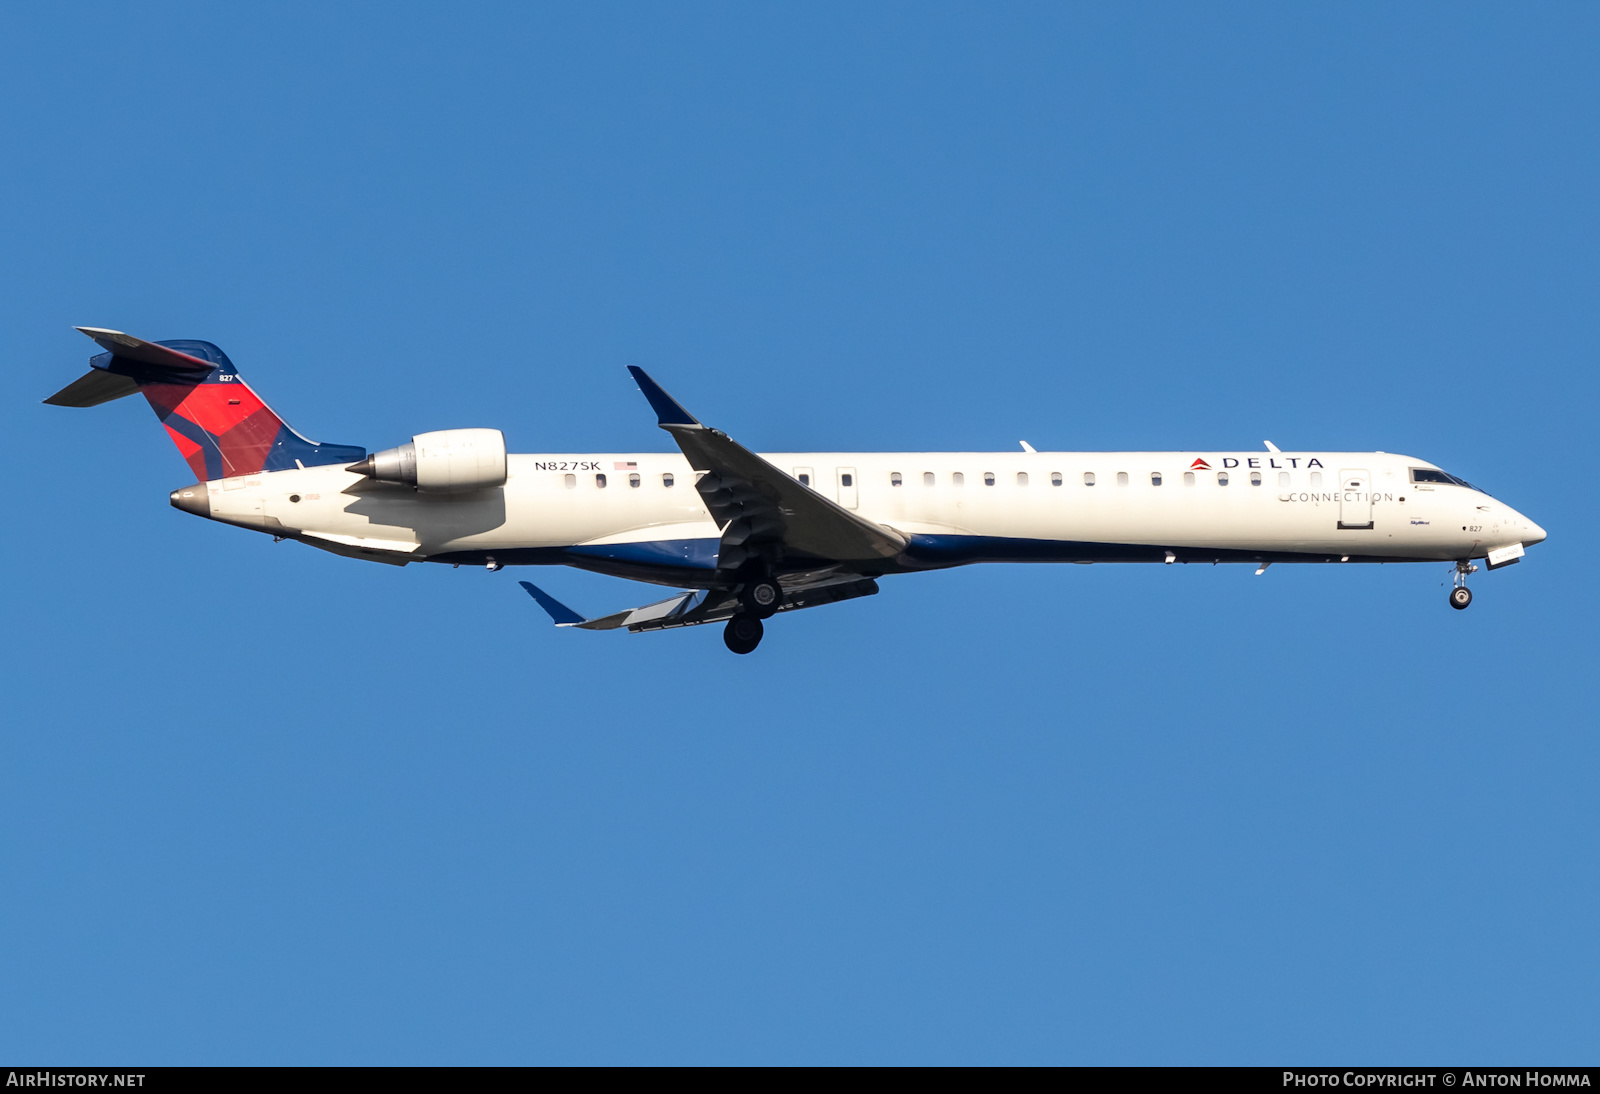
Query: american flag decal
<point x="629" y="466"/>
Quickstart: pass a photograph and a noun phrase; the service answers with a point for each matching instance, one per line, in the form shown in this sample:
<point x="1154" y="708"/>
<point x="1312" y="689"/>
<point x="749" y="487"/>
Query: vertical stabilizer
<point x="221" y="426"/>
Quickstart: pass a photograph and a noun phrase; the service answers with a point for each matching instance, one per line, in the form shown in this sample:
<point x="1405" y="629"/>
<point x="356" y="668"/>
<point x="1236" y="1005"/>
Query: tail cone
<point x="364" y="467"/>
<point x="194" y="499"/>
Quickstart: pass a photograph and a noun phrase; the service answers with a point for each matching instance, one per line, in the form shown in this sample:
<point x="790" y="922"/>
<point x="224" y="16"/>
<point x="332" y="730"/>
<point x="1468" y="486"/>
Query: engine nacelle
<point x="446" y="461"/>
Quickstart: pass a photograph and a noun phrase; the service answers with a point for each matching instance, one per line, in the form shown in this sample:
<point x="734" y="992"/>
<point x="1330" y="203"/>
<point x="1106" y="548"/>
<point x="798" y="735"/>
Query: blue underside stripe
<point x="693" y="562"/>
<point x="690" y="554"/>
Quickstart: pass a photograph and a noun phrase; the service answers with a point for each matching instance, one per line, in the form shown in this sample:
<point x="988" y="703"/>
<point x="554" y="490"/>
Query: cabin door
<point x="1355" y="499"/>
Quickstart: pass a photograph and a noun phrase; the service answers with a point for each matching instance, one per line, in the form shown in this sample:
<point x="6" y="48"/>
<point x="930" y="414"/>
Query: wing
<point x="688" y="609"/>
<point x="763" y="512"/>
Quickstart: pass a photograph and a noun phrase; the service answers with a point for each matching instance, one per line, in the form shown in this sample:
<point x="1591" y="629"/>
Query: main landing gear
<point x="743" y="633"/>
<point x="759" y="598"/>
<point x="1461" y="596"/>
<point x="762" y="598"/>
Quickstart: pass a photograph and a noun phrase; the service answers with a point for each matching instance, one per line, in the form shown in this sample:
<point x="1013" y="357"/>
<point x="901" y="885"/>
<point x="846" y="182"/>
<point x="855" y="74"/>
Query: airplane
<point x="743" y="536"/>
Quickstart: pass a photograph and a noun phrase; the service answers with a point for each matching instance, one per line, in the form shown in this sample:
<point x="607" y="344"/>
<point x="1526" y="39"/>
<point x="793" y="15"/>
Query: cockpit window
<point x="1433" y="474"/>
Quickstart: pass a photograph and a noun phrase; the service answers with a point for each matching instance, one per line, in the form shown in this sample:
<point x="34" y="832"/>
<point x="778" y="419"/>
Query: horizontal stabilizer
<point x="129" y="348"/>
<point x="97" y="387"/>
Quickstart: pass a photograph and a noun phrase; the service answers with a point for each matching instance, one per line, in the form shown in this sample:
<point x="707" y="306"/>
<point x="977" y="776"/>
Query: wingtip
<point x="668" y="410"/>
<point x="558" y="612"/>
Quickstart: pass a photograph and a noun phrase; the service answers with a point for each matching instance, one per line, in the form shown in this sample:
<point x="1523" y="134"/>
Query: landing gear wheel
<point x="1460" y="597"/>
<point x="763" y="598"/>
<point x="743" y="633"/>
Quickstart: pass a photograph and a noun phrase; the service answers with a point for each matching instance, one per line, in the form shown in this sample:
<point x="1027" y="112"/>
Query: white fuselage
<point x="616" y="512"/>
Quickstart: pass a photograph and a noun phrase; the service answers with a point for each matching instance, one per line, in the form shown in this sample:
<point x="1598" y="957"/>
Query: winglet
<point x="668" y="410"/>
<point x="563" y="615"/>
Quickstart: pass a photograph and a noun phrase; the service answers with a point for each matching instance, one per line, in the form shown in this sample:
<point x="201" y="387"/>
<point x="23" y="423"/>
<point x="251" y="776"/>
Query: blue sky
<point x="266" y="805"/>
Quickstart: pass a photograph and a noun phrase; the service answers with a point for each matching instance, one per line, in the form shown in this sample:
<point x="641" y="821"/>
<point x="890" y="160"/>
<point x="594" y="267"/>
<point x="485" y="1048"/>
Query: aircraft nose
<point x="1534" y="534"/>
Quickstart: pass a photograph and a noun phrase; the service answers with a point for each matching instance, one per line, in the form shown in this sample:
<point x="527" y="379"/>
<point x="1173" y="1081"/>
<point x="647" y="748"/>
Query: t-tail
<point x="221" y="427"/>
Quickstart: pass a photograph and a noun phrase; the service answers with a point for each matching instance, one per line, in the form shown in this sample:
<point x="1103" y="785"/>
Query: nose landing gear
<point x="1461" y="596"/>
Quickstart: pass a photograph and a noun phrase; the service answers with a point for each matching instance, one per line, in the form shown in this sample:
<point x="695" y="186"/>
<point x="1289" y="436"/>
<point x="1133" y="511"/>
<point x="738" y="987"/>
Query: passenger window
<point x="1255" y="478"/>
<point x="847" y="480"/>
<point x="1022" y="478"/>
<point x="927" y="478"/>
<point x="1188" y="478"/>
<point x="666" y="480"/>
<point x="805" y="480"/>
<point x="1222" y="478"/>
<point x="1316" y="478"/>
<point x="958" y="479"/>
<point x="894" y="478"/>
<point x="1155" y="478"/>
<point x="1055" y="478"/>
<point x="572" y="480"/>
<point x="1122" y="478"/>
<point x="600" y="481"/>
<point x="1283" y="478"/>
<point x="633" y="480"/>
<point x="988" y="478"/>
<point x="1088" y="478"/>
